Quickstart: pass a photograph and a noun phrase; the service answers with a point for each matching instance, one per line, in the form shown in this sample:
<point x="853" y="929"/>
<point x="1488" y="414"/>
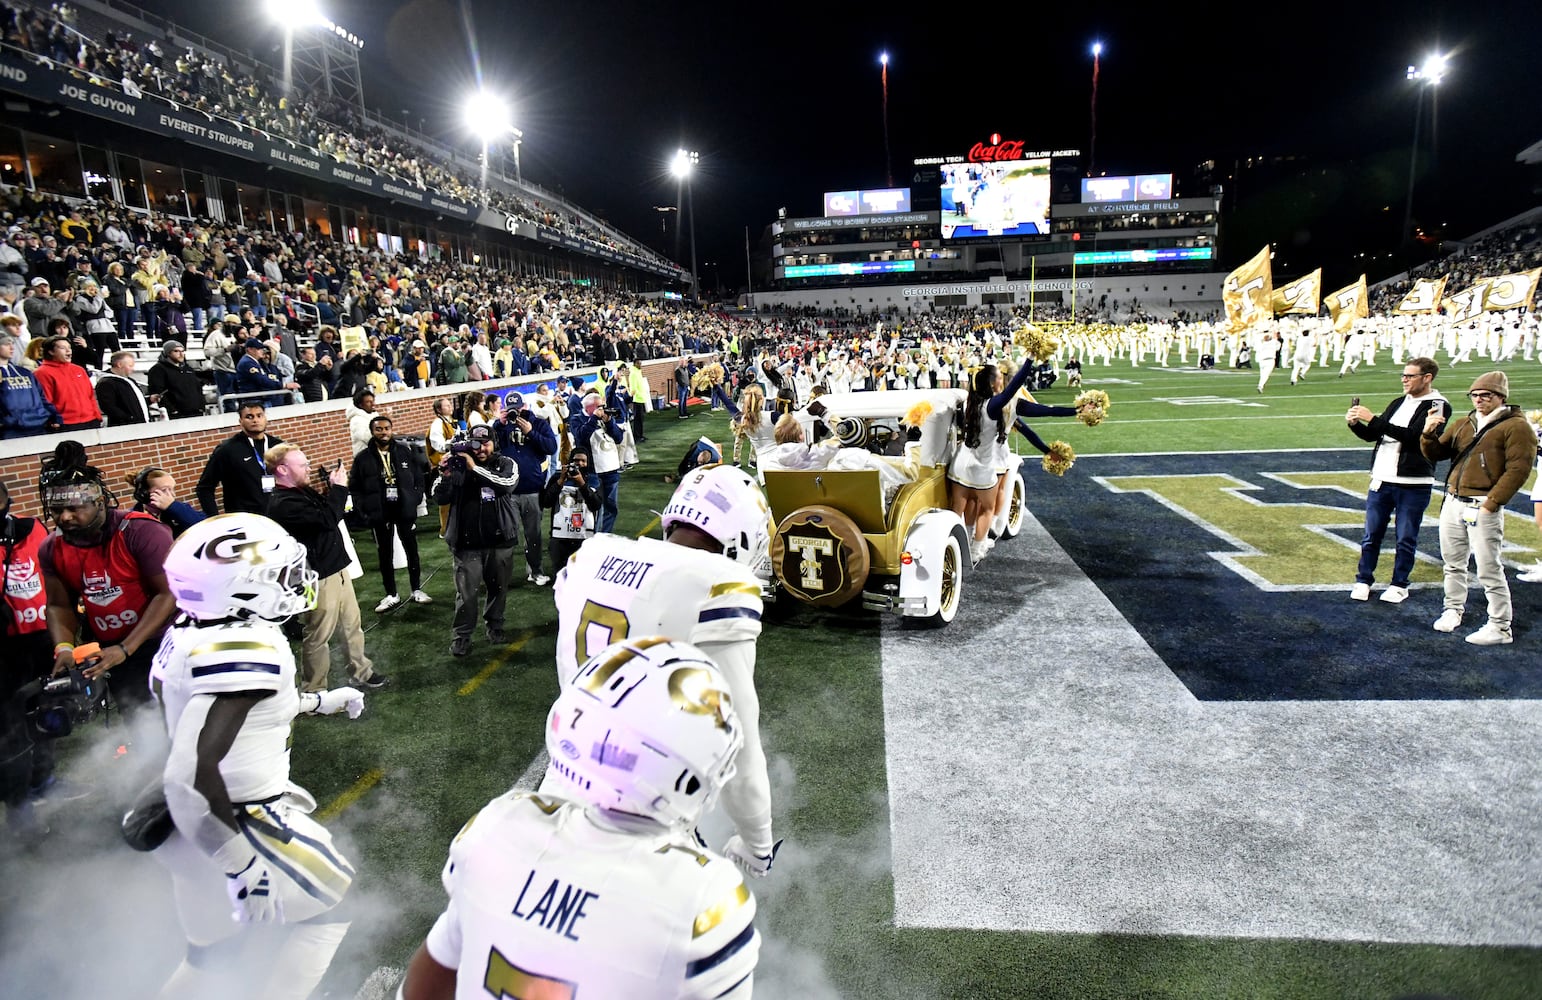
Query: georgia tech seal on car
<point x="820" y="556"/>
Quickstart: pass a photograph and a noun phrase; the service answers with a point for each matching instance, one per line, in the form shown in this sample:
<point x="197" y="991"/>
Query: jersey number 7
<point x="505" y="979"/>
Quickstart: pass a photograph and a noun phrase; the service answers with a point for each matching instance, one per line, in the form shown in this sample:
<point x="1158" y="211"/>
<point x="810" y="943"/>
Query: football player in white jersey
<point x="244" y="848"/>
<point x="605" y="893"/>
<point x="697" y="586"/>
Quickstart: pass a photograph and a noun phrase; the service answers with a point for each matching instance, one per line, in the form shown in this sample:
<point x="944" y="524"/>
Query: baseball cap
<point x="514" y="401"/>
<point x="479" y="433"/>
<point x="39" y="281"/>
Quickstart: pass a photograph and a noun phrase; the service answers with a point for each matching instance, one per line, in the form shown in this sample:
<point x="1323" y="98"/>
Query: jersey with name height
<point x="616" y="587"/>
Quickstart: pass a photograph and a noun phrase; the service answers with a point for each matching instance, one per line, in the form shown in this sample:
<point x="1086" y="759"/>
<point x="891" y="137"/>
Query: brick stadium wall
<point x="183" y="447"/>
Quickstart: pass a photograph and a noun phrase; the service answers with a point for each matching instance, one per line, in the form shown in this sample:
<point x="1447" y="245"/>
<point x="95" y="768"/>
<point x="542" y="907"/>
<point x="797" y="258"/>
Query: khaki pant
<point x="336" y="608"/>
<point x="1481" y="544"/>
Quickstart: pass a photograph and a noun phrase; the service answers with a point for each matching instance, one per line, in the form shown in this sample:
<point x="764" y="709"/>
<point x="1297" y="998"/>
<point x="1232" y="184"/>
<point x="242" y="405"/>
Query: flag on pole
<point x="1301" y="297"/>
<point x="1349" y="304"/>
<point x="1512" y="291"/>
<point x="1424" y="297"/>
<point x="1247" y="293"/>
<point x="1468" y="303"/>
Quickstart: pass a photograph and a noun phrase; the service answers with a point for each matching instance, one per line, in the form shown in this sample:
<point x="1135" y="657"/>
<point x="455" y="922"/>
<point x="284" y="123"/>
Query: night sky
<point x="784" y="105"/>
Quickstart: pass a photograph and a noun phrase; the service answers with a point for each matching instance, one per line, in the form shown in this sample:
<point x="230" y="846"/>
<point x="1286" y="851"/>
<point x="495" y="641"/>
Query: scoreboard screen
<point x="995" y="199"/>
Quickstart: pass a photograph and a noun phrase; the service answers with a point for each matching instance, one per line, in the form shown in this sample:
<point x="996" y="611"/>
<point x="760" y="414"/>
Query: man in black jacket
<point x="315" y="377"/>
<point x="118" y="396"/>
<point x="1401" y="477"/>
<point x="240" y="466"/>
<point x="312" y="518"/>
<point x="484" y="525"/>
<point x="177" y="383"/>
<point x="387" y="487"/>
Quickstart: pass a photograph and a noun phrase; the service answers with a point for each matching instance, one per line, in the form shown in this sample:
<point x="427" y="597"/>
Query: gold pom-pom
<point x="1092" y="406"/>
<point x="707" y="377"/>
<point x="1059" y="459"/>
<point x="917" y="414"/>
<point x="1040" y="345"/>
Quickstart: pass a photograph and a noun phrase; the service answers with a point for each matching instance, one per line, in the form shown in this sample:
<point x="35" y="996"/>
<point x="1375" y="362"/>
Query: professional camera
<point x="54" y="707"/>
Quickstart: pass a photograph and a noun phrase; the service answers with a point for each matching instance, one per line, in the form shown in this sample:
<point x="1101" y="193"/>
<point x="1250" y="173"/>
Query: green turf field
<point x="450" y="734"/>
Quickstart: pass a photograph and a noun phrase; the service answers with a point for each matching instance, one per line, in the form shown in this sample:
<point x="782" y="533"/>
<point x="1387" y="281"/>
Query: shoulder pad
<point x="223" y="660"/>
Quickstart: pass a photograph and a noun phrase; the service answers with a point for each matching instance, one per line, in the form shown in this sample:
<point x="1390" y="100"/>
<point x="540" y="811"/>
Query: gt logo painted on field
<point x="1304" y="545"/>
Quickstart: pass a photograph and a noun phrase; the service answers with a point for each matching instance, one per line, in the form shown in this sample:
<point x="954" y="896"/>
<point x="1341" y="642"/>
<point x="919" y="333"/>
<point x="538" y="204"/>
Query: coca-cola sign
<point x="1012" y="149"/>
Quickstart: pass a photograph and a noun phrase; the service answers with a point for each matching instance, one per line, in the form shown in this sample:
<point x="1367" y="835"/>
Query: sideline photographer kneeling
<point x="573" y="503"/>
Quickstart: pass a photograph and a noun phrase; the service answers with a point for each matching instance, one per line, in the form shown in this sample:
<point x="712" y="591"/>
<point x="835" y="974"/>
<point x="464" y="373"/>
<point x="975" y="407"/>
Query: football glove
<point x="752" y="864"/>
<point x="339" y="699"/>
<point x="253" y="897"/>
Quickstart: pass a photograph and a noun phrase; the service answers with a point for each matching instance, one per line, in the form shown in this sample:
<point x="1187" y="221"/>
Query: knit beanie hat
<point x="1495" y="382"/>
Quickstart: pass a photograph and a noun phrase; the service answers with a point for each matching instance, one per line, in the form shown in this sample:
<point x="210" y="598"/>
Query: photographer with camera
<point x="528" y="441"/>
<point x="109" y="562"/>
<point x="478" y="485"/>
<point x="599" y="430"/>
<point x="573" y="503"/>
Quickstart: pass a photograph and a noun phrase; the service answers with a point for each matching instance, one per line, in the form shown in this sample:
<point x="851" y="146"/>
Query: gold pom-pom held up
<point x="1059" y="459"/>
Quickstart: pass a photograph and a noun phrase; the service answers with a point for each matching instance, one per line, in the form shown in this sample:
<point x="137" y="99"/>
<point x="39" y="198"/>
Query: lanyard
<point x="258" y="452"/>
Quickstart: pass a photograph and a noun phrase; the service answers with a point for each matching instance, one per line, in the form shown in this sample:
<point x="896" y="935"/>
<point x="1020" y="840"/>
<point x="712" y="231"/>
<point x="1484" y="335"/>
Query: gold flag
<point x="1468" y="303"/>
<point x="1300" y="297"/>
<point x="1424" y="297"/>
<point x="1247" y="292"/>
<point x="1349" y="304"/>
<point x="1512" y="291"/>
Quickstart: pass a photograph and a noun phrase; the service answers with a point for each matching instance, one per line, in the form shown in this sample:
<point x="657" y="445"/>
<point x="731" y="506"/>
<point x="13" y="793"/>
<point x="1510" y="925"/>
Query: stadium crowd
<point x="188" y="78"/>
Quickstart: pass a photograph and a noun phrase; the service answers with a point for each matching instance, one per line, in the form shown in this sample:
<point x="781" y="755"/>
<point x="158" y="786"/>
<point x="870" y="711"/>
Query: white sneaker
<point x="387" y="603"/>
<point x="1533" y="575"/>
<point x="418" y="597"/>
<point x="1448" y="621"/>
<point x="1394" y="595"/>
<point x="1490" y="635"/>
<point x="1360" y="592"/>
<point x="541" y="580"/>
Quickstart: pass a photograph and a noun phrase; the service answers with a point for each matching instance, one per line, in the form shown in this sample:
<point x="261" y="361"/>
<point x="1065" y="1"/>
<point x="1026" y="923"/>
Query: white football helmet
<point x="647" y="729"/>
<point x="723" y="501"/>
<point x="240" y="566"/>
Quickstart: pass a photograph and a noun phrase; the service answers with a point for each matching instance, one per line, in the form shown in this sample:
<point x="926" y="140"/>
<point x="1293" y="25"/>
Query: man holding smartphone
<point x="1491" y="451"/>
<point x="1402" y="478"/>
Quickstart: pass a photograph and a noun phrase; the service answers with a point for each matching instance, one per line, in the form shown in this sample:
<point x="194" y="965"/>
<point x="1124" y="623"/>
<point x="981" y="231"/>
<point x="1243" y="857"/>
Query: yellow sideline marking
<point x="651" y="525"/>
<point x="370" y="780"/>
<point x="496" y="664"/>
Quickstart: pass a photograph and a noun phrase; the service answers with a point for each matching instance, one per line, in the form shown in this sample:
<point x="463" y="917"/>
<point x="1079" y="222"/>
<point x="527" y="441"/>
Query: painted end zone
<point x="1049" y="772"/>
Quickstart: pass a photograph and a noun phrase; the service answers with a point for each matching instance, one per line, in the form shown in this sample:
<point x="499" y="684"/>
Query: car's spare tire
<point x="819" y="556"/>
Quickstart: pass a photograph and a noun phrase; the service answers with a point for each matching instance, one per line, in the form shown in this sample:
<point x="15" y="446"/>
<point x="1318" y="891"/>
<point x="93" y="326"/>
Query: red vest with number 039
<point x="108" y="579"/>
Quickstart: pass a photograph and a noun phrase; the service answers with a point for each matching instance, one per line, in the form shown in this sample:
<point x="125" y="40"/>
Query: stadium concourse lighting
<point x="1426" y="77"/>
<point x="682" y="166"/>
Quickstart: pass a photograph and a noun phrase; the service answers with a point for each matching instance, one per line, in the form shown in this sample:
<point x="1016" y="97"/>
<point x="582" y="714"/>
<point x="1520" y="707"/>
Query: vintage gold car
<point x="864" y="515"/>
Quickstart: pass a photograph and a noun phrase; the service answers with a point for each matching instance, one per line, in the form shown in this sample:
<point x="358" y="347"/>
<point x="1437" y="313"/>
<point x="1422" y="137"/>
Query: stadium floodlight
<point x="681" y="165"/>
<point x="295" y="13"/>
<point x="488" y="115"/>
<point x="1428" y="77"/>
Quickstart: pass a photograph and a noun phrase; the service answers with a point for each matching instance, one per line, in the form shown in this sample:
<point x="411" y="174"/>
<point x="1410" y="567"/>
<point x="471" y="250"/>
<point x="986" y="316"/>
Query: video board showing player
<point x="1009" y="198"/>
